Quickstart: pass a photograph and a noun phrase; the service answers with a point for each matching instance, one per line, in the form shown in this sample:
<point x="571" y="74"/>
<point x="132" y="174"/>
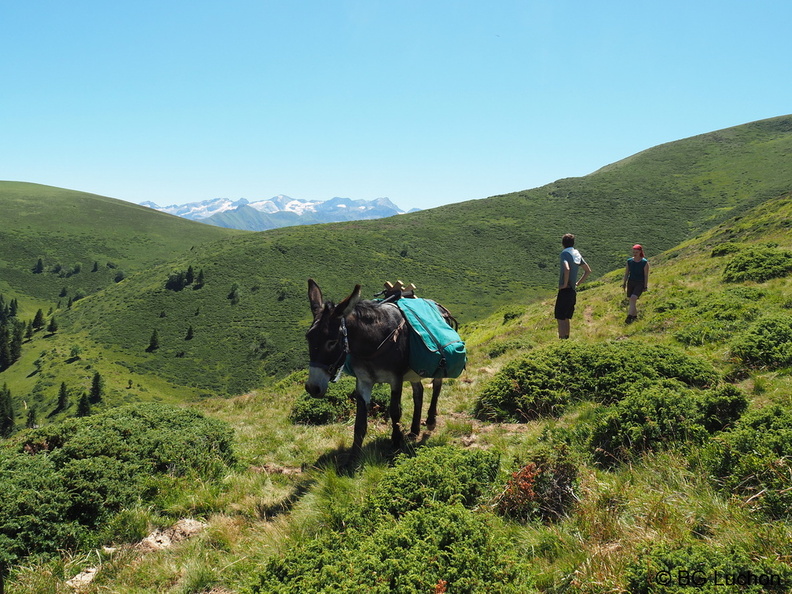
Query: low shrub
<point x="66" y="480"/>
<point x="337" y="405"/>
<point x="330" y="408"/>
<point x="766" y="343"/>
<point x="754" y="460"/>
<point x="545" y="382"/>
<point x="720" y="315"/>
<point x="700" y="567"/>
<point x="727" y="248"/>
<point x="522" y="390"/>
<point x="440" y="547"/>
<point x="543" y="489"/>
<point x="444" y="473"/>
<point x="420" y="530"/>
<point x="758" y="264"/>
<point x="721" y="407"/>
<point x="661" y="415"/>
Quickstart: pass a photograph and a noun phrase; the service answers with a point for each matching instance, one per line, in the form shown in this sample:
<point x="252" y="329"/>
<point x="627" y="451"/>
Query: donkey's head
<point x="327" y="337"/>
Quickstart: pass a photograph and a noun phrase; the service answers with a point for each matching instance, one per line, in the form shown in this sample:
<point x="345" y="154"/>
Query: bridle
<point x="335" y="368"/>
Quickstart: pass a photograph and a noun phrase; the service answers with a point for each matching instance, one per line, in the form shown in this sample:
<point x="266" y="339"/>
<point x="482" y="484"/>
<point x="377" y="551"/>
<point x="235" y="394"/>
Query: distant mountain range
<point x="280" y="211"/>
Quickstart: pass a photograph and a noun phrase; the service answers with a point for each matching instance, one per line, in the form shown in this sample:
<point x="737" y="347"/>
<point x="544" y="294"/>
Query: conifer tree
<point x="190" y="276"/>
<point x="17" y="338"/>
<point x="39" y="267"/>
<point x="97" y="389"/>
<point x="83" y="406"/>
<point x="189" y="333"/>
<point x="63" y="398"/>
<point x="38" y="320"/>
<point x="6" y="412"/>
<point x="5" y="350"/>
<point x="52" y="328"/>
<point x="32" y="418"/>
<point x="153" y="341"/>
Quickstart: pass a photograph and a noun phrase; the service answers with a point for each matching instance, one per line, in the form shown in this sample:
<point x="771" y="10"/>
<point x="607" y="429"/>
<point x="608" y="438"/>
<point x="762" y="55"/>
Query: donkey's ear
<point x="315" y="297"/>
<point x="347" y="305"/>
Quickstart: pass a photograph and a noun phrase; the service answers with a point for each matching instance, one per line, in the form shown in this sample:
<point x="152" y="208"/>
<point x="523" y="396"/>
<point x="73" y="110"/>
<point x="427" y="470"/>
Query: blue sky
<point x="425" y="102"/>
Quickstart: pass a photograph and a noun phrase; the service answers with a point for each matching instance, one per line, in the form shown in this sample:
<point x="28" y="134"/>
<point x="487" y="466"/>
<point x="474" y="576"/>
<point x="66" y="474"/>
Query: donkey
<point x="375" y="337"/>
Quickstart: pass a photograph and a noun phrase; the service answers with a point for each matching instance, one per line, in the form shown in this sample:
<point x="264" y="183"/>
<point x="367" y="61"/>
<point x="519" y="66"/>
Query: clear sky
<point x="424" y="102"/>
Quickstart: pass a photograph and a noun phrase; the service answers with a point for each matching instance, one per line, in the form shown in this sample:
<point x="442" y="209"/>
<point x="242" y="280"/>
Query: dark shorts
<point x="635" y="288"/>
<point x="565" y="304"/>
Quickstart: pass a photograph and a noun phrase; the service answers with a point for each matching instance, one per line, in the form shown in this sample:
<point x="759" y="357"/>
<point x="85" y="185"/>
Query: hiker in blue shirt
<point x="636" y="280"/>
<point x="571" y="260"/>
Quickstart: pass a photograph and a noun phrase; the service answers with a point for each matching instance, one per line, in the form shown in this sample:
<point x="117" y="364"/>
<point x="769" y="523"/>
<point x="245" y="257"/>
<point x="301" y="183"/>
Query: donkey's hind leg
<point x="395" y="410"/>
<point x="431" y="415"/>
<point x="415" y="426"/>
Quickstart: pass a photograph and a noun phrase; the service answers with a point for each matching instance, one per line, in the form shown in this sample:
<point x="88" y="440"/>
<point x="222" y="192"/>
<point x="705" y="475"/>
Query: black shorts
<point x="635" y="288"/>
<point x="565" y="304"/>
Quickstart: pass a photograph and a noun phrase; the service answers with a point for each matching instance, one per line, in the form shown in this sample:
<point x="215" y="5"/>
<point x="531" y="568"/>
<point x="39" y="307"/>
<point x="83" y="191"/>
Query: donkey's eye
<point x="331" y="344"/>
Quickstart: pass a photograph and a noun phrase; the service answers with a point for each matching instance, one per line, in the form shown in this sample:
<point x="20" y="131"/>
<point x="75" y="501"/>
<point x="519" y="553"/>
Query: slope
<point x="286" y="507"/>
<point x="69" y="231"/>
<point x="245" y="325"/>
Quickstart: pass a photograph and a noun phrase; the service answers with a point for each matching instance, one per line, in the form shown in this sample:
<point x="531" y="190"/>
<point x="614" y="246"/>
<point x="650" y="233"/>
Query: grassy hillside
<point x="70" y="231"/>
<point x="603" y="491"/>
<point x="244" y="326"/>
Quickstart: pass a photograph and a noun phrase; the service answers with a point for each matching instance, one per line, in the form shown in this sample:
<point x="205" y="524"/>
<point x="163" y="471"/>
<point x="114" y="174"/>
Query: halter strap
<point x="334" y="369"/>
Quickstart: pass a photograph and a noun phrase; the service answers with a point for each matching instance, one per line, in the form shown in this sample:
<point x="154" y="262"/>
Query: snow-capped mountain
<point x="199" y="210"/>
<point x="279" y="211"/>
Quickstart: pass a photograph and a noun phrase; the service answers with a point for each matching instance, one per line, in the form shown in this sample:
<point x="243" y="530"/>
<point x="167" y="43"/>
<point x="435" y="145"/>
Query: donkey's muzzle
<point x="313" y="389"/>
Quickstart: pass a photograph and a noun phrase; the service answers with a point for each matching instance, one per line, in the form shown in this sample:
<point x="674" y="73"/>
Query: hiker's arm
<point x="586" y="272"/>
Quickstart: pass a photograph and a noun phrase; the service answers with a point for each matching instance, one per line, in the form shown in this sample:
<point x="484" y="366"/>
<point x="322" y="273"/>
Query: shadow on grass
<point x="378" y="451"/>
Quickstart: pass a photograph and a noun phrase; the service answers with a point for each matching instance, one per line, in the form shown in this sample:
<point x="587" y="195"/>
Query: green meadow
<point x="627" y="459"/>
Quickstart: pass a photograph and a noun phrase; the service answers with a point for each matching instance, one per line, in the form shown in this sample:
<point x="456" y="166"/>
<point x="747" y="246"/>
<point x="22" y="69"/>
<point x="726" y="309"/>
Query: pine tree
<point x="5" y="350"/>
<point x="32" y="418"/>
<point x="153" y="341"/>
<point x="52" y="328"/>
<point x="83" y="406"/>
<point x="97" y="389"/>
<point x="63" y="398"/>
<point x="200" y="282"/>
<point x="234" y="294"/>
<point x="189" y="333"/>
<point x="39" y="267"/>
<point x="17" y="338"/>
<point x="190" y="276"/>
<point x="38" y="320"/>
<point x="6" y="412"/>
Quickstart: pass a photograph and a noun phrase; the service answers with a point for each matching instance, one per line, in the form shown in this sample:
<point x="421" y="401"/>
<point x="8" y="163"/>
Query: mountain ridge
<point x="279" y="211"/>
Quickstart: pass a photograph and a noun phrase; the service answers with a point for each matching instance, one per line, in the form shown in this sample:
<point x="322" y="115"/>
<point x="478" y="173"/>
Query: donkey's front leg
<point x="361" y="422"/>
<point x="395" y="410"/>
